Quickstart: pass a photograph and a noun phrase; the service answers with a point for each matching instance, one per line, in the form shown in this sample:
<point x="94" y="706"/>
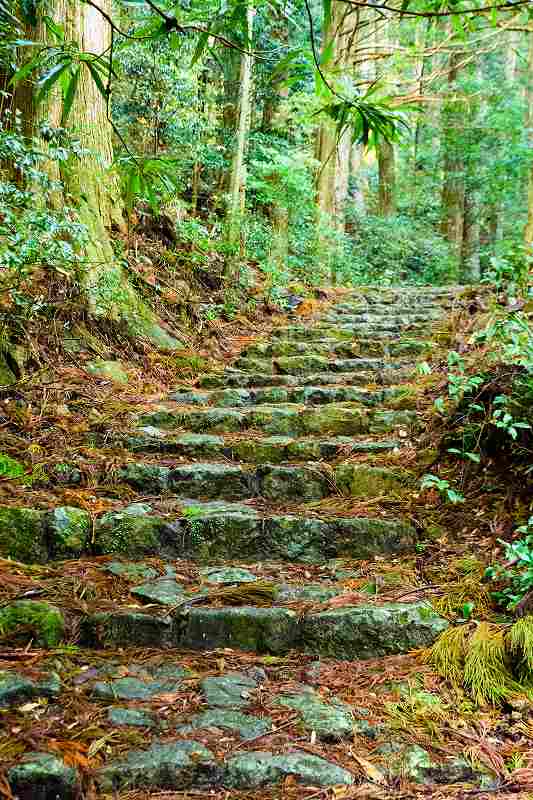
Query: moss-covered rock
<point x="127" y="628"/>
<point x="370" y="631"/>
<point x="37" y="621"/>
<point x="230" y="691"/>
<point x="270" y="630"/>
<point x="146" y="478"/>
<point x="359" y="480"/>
<point x="16" y="687"/>
<point x="131" y="532"/>
<point x="108" y="370"/>
<point x="22" y="535"/>
<point x="68" y="531"/>
<point x="173" y="766"/>
<point x="245" y="725"/>
<point x="298" y="365"/>
<point x="330" y="721"/>
<point x="211" y="481"/>
<point x="258" y="768"/>
<point x="279" y="483"/>
<point x="336" y="420"/>
<point x="43" y="776"/>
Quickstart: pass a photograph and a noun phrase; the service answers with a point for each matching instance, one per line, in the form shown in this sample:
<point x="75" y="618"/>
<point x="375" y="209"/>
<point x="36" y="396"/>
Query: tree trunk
<point x="471" y="271"/>
<point x="387" y="180"/>
<point x="453" y="187"/>
<point x="237" y="190"/>
<point x="528" y="231"/>
<point x="90" y="183"/>
<point x="334" y="156"/>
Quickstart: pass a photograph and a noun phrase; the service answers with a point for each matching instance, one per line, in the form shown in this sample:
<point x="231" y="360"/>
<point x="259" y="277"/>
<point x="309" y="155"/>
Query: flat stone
<point x="131" y="571"/>
<point x="165" y="591"/>
<point x="264" y="630"/>
<point x="365" y="631"/>
<point x="228" y="691"/>
<point x="174" y="766"/>
<point x="146" y="478"/>
<point x="278" y="483"/>
<point x="227" y="575"/>
<point x="312" y="592"/>
<point x="330" y="721"/>
<point x="258" y="768"/>
<point x="107" y="370"/>
<point x="153" y="682"/>
<point x="245" y="725"/>
<point x="211" y="481"/>
<point x="16" y="687"/>
<point x="130" y="716"/>
<point x="43" y="776"/>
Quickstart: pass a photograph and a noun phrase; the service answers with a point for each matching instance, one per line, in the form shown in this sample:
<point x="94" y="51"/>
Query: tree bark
<point x="453" y="187"/>
<point x="237" y="189"/>
<point x="528" y="230"/>
<point x="92" y="186"/>
<point x="387" y="179"/>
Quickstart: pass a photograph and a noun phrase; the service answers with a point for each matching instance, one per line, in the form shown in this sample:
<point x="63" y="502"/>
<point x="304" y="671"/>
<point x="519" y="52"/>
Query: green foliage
<point x="392" y="249"/>
<point x="10" y="468"/>
<point x="443" y="487"/>
<point x="148" y="180"/>
<point x="34" y="234"/>
<point x="517" y="569"/>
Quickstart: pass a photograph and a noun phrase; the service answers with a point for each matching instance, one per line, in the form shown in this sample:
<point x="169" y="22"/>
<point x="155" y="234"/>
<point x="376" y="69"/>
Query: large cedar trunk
<point x="91" y="184"/>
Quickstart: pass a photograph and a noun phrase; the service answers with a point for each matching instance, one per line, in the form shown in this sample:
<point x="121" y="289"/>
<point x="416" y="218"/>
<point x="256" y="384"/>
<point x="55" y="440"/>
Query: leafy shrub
<point x="393" y="249"/>
<point x="517" y="570"/>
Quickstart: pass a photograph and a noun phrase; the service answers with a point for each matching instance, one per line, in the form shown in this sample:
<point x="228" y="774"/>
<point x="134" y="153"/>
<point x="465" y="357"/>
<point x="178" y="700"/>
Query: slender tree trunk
<point x="471" y="271"/>
<point x="385" y="150"/>
<point x="453" y="187"/>
<point x="387" y="179"/>
<point x="237" y="192"/>
<point x="528" y="231"/>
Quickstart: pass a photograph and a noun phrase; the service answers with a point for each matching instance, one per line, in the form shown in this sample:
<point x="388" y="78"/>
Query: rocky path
<point x="235" y="624"/>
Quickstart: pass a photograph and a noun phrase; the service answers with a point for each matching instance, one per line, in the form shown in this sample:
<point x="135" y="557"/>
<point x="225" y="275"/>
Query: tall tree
<point x="453" y="184"/>
<point x="90" y="181"/>
<point x="237" y="189"/>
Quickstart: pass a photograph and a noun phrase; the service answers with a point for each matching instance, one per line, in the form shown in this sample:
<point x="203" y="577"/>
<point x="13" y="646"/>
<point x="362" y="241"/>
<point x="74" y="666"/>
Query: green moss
<point x="22" y="535"/>
<point x="40" y="622"/>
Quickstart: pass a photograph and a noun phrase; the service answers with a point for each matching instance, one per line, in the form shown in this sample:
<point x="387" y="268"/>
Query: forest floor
<point x="227" y="588"/>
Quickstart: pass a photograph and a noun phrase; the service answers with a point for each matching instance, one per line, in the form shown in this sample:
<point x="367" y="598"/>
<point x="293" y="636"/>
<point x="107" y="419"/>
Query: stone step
<point x="269" y="449"/>
<point x="199" y="531"/>
<point x="379" y="319"/>
<point x="335" y="419"/>
<point x="272" y="483"/>
<point x="299" y="395"/>
<point x="306" y="364"/>
<point x="347" y="348"/>
<point x="239" y="379"/>
<point x="341" y="332"/>
<point x="357" y="632"/>
<point x="381" y="329"/>
<point x="218" y="530"/>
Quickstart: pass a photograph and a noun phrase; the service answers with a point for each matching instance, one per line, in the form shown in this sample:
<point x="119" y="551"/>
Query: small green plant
<point x="9" y="468"/>
<point x="443" y="487"/>
<point x="516" y="571"/>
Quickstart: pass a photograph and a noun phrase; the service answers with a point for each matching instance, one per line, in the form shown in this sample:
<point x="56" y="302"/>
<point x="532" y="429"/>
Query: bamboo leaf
<point x="51" y="77"/>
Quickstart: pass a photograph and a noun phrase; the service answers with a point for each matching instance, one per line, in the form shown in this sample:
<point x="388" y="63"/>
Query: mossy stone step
<point x="256" y="449"/>
<point x="217" y="530"/>
<point x="272" y="482"/>
<point x="305" y="395"/>
<point x="332" y="347"/>
<point x="335" y="419"/>
<point x="305" y="364"/>
<point x="240" y="379"/>
<point x="353" y="632"/>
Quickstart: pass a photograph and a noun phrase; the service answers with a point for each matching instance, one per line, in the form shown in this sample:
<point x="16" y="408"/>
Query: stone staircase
<point x="253" y="467"/>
